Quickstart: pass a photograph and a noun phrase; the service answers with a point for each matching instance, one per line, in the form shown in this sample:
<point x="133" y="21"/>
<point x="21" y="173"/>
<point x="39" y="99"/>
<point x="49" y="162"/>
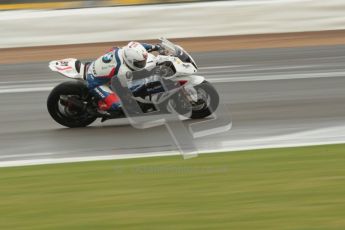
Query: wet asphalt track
<point x="276" y="97"/>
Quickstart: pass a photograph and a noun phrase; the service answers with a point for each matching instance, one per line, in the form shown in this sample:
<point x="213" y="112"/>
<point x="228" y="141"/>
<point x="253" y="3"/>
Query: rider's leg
<point x="108" y="99"/>
<point x="99" y="87"/>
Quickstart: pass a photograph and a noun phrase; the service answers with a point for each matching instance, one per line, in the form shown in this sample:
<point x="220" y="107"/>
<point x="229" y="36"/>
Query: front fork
<point x="190" y="93"/>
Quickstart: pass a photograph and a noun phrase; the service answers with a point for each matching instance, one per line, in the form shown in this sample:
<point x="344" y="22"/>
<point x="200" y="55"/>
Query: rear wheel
<point x="67" y="105"/>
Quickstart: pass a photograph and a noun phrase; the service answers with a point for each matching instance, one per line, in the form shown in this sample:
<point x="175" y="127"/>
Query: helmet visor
<point x="140" y="64"/>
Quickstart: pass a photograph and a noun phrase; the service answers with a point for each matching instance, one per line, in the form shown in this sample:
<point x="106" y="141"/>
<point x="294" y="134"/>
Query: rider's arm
<point x="150" y="47"/>
<point x="122" y="79"/>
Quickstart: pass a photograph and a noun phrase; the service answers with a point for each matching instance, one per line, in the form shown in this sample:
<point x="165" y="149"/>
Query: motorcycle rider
<point x="120" y="63"/>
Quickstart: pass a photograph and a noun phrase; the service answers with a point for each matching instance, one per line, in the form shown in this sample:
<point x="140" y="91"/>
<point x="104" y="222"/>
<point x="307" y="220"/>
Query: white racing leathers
<point x="101" y="71"/>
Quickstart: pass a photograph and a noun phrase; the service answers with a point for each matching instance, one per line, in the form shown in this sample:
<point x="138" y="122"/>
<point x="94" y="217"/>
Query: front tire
<point x="66" y="114"/>
<point x="208" y="101"/>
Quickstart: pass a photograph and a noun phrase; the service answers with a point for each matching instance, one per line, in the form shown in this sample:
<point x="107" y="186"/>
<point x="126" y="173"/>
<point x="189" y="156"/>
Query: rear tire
<point x="208" y="101"/>
<point x="79" y="118"/>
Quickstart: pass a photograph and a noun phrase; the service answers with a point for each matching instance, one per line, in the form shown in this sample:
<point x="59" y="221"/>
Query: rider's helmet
<point x="135" y="56"/>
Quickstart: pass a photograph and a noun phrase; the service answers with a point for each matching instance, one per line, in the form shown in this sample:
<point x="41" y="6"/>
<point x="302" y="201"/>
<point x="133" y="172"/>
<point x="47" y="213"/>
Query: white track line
<point x="17" y="163"/>
<point x="26" y="90"/>
<point x="218" y="78"/>
<point x="17" y="88"/>
<point x="222" y="67"/>
<point x="238" y="71"/>
<point x="80" y="159"/>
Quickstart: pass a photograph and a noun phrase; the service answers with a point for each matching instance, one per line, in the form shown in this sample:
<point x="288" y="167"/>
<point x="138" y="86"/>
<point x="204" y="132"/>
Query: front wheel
<point x="207" y="102"/>
<point x="66" y="105"/>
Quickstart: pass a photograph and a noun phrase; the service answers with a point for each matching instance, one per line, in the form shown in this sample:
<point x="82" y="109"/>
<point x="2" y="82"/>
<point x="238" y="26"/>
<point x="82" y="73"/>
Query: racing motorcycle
<point x="168" y="84"/>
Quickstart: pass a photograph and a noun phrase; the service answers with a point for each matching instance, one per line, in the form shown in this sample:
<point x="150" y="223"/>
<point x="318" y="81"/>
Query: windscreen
<point x="177" y="51"/>
<point x="184" y="56"/>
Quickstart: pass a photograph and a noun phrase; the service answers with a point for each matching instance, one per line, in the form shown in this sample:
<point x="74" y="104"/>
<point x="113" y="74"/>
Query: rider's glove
<point x="160" y="49"/>
<point x="157" y="47"/>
